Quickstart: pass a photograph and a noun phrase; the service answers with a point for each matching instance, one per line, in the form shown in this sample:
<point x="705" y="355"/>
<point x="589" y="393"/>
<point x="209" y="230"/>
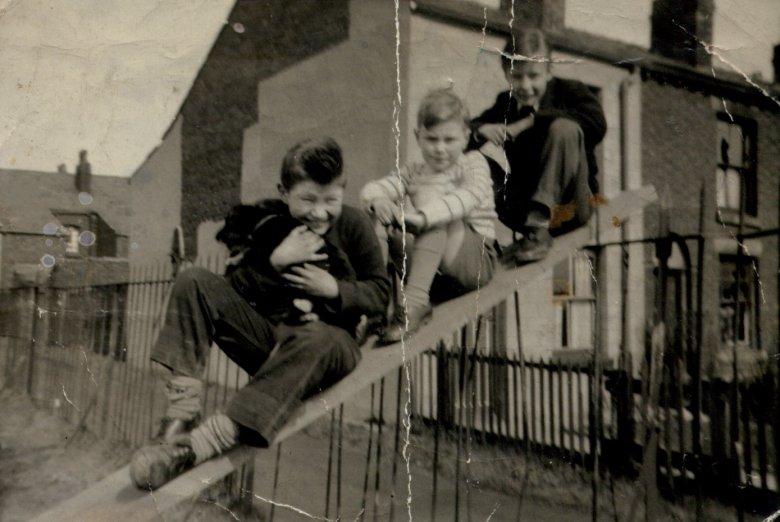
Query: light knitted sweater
<point x="464" y="191"/>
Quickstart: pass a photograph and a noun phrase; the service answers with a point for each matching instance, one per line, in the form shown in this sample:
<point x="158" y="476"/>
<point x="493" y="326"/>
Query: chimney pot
<point x="680" y="28"/>
<point x="83" y="173"/>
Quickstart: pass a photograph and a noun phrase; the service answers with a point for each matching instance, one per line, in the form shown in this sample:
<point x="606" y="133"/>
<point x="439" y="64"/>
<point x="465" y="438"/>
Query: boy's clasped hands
<point x="391" y="214"/>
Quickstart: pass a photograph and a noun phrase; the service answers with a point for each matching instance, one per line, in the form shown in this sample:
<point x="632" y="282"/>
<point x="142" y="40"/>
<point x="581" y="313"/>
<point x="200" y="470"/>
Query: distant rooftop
<point x="29" y="197"/>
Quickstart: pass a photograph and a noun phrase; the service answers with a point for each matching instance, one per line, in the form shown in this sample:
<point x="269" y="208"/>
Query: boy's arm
<point x="369" y="294"/>
<point x="582" y="106"/>
<point x="477" y="187"/>
<point x="391" y="187"/>
<point x="495" y="114"/>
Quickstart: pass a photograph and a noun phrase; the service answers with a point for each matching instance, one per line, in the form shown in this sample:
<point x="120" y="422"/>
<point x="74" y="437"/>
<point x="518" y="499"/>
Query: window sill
<point x="727" y="216"/>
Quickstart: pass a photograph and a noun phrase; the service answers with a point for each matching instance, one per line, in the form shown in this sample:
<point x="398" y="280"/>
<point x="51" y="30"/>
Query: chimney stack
<point x="546" y="15"/>
<point x="83" y="174"/>
<point x="680" y="27"/>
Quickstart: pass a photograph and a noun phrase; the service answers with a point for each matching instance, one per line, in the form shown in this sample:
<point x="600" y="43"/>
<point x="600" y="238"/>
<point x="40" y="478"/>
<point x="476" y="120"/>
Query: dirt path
<point x="39" y="466"/>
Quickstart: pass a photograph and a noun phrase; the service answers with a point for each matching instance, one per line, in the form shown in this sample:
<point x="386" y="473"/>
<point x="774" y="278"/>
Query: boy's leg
<point x="469" y="267"/>
<point x="204" y="309"/>
<point x="552" y="163"/>
<point x="428" y="254"/>
<point x="564" y="165"/>
<point x="309" y="359"/>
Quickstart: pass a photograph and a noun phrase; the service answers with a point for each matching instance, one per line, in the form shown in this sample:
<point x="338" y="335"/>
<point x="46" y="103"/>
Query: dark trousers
<point x="549" y="167"/>
<point x="204" y="309"/>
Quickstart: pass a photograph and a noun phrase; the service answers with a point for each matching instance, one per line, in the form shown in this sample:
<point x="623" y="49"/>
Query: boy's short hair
<point x="315" y="159"/>
<point x="525" y="41"/>
<point x="439" y="106"/>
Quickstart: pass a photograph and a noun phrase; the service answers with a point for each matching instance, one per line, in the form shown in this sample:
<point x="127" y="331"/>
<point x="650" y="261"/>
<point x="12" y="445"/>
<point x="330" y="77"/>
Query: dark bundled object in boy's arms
<point x="251" y="233"/>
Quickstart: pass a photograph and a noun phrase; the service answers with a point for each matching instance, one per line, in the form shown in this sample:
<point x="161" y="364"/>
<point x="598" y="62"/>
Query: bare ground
<point x="43" y="462"/>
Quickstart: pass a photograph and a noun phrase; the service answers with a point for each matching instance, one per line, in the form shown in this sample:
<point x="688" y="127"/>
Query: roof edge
<point x="614" y="52"/>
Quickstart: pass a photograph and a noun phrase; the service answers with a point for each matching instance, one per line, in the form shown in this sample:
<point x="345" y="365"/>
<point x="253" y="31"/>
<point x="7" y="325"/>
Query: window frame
<point x="565" y="302"/>
<point x="748" y="171"/>
<point x="72" y="234"/>
<point x="750" y="331"/>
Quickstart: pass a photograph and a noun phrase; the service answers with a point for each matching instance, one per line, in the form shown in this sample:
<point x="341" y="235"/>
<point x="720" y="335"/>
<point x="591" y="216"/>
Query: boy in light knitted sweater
<point x="447" y="203"/>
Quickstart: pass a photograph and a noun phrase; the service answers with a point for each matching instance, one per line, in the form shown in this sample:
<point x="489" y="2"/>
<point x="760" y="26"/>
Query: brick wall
<point x="769" y="218"/>
<point x="679" y="155"/>
<point x="26" y="249"/>
<point x="260" y="39"/>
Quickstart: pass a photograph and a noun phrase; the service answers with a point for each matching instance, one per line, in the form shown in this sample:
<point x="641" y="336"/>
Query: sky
<point x="103" y="75"/>
<point x="744" y="31"/>
<point x="109" y="75"/>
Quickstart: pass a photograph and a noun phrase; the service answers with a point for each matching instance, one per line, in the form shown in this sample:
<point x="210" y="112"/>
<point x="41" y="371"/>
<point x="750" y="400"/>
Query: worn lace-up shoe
<point x="534" y="246"/>
<point x="155" y="465"/>
<point x="417" y="316"/>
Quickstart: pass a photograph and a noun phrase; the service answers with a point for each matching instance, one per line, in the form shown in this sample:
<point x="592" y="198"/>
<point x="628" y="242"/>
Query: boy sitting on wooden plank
<point x="548" y="127"/>
<point x="287" y="363"/>
<point x="446" y="203"/>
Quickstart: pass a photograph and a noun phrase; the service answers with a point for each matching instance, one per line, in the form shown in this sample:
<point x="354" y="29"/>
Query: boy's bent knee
<point x="195" y="274"/>
<point x="196" y="279"/>
<point x="326" y="338"/>
<point x="565" y="129"/>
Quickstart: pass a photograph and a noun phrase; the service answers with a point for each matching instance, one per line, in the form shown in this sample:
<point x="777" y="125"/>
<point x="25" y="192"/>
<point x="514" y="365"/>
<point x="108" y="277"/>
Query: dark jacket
<point x="353" y="259"/>
<point x="562" y="99"/>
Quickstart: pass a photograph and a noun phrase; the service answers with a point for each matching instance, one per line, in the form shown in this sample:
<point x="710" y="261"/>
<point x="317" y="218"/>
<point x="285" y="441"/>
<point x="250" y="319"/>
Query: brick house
<point x="73" y="229"/>
<point x="276" y="74"/>
<point x="59" y="235"/>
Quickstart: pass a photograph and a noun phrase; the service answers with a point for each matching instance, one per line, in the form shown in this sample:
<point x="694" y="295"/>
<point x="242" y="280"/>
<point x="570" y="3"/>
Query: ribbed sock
<point x="184" y="397"/>
<point x="214" y="435"/>
<point x="427" y="253"/>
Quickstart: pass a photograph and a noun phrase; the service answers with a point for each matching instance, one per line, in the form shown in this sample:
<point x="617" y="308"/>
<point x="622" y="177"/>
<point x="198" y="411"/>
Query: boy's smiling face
<point x="528" y="81"/>
<point x="316" y="206"/>
<point x="442" y="144"/>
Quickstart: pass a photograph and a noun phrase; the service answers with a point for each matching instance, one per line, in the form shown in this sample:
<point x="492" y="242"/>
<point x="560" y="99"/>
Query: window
<point x="574" y="301"/>
<point x="739" y="308"/>
<point x="736" y="173"/>
<point x="72" y="240"/>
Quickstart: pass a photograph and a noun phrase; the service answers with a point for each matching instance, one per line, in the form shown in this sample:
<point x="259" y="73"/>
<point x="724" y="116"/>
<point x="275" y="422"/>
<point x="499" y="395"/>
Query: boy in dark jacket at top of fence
<point x="548" y="127"/>
<point x="287" y="363"/>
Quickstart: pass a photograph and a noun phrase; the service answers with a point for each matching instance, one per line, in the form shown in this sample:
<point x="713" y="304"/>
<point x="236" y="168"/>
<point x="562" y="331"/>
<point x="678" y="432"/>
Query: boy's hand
<point x="415" y="222"/>
<point x="513" y="129"/>
<point x="384" y="210"/>
<point x="494" y="133"/>
<point x="300" y="246"/>
<point x="314" y="281"/>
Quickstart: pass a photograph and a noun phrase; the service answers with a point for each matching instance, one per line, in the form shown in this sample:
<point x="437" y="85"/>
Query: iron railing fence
<point x="84" y="353"/>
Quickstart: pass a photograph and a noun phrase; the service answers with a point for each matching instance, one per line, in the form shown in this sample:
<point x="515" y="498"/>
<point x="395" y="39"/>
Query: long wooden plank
<point x="115" y="497"/>
<point x="378" y="363"/>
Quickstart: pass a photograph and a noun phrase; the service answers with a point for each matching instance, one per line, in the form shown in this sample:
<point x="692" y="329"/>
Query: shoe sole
<point x="146" y="470"/>
<point x="381" y="342"/>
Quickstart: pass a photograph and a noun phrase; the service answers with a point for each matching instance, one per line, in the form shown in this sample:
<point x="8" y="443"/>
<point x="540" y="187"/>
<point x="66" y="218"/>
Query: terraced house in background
<point x="701" y="136"/>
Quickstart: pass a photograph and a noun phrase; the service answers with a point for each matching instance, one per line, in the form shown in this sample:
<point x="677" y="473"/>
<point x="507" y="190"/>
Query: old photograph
<point x="389" y="260"/>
